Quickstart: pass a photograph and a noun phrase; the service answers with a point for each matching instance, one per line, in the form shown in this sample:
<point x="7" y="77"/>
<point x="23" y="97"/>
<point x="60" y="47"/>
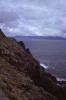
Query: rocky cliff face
<point x="22" y="77"/>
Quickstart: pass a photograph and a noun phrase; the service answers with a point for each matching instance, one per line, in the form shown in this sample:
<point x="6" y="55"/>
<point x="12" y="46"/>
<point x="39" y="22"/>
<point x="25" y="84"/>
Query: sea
<point x="51" y="54"/>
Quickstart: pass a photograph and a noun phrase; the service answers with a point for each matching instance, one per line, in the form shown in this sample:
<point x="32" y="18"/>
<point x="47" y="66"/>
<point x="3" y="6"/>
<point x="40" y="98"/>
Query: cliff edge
<point x="22" y="77"/>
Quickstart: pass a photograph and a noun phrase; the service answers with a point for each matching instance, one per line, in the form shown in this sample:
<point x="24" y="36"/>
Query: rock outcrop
<point x="22" y="77"/>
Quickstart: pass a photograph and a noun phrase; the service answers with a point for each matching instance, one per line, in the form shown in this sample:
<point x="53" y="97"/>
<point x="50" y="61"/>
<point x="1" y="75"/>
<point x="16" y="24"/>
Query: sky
<point x="33" y="17"/>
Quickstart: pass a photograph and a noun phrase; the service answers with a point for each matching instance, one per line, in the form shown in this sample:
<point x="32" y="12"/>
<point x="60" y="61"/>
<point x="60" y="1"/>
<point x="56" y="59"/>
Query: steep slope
<point x="17" y="86"/>
<point x="22" y="77"/>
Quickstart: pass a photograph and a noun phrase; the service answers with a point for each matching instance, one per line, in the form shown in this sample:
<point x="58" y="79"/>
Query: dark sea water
<point x="51" y="53"/>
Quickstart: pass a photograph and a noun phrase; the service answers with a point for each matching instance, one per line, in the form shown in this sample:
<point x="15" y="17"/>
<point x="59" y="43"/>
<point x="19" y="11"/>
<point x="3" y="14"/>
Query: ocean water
<point x="50" y="53"/>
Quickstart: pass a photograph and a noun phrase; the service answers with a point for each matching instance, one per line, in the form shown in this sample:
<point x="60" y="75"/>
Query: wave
<point x="44" y="66"/>
<point x="60" y="79"/>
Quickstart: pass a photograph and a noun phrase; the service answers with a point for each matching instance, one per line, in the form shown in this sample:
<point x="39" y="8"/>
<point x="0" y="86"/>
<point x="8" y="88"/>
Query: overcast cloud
<point x="33" y="17"/>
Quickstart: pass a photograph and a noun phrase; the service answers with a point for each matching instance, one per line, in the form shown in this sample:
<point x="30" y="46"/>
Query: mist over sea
<point x="50" y="53"/>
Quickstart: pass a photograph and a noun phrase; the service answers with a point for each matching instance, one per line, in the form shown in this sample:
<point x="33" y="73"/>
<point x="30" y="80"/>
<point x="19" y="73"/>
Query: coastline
<point x="43" y="65"/>
<point x="46" y="67"/>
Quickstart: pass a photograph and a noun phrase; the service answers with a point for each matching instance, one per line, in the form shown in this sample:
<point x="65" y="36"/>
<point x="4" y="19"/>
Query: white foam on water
<point x="44" y="66"/>
<point x="61" y="79"/>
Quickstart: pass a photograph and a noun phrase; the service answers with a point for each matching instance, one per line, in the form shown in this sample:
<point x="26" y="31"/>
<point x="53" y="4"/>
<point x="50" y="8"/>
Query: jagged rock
<point x="1" y="34"/>
<point x="22" y="77"/>
<point x="22" y="44"/>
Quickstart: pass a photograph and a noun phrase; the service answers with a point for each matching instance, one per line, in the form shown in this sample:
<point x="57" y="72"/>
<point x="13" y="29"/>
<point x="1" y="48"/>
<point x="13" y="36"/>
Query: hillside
<point x="22" y="77"/>
<point x="39" y="37"/>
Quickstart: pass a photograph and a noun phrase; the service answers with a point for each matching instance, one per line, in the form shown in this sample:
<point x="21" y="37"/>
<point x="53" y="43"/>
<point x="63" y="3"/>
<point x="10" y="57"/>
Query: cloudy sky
<point x="33" y="17"/>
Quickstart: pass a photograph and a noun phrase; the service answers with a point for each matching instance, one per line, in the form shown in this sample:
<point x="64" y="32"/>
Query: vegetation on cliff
<point x="22" y="77"/>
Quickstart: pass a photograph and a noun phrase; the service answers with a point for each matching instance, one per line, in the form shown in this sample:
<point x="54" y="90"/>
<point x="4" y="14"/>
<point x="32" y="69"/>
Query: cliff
<point x="22" y="77"/>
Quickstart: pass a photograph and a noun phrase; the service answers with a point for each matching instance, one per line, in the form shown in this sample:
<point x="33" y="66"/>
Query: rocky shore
<point x="22" y="77"/>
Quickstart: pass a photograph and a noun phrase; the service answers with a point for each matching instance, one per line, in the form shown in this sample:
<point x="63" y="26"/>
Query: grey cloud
<point x="8" y="16"/>
<point x="33" y="17"/>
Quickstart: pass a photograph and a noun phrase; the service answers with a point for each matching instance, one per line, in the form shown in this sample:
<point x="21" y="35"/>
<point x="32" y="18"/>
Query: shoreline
<point x="58" y="78"/>
<point x="43" y="65"/>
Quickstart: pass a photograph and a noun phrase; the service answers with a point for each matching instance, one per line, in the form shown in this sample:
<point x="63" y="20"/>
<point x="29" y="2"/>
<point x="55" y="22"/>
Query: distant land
<point x="39" y="37"/>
